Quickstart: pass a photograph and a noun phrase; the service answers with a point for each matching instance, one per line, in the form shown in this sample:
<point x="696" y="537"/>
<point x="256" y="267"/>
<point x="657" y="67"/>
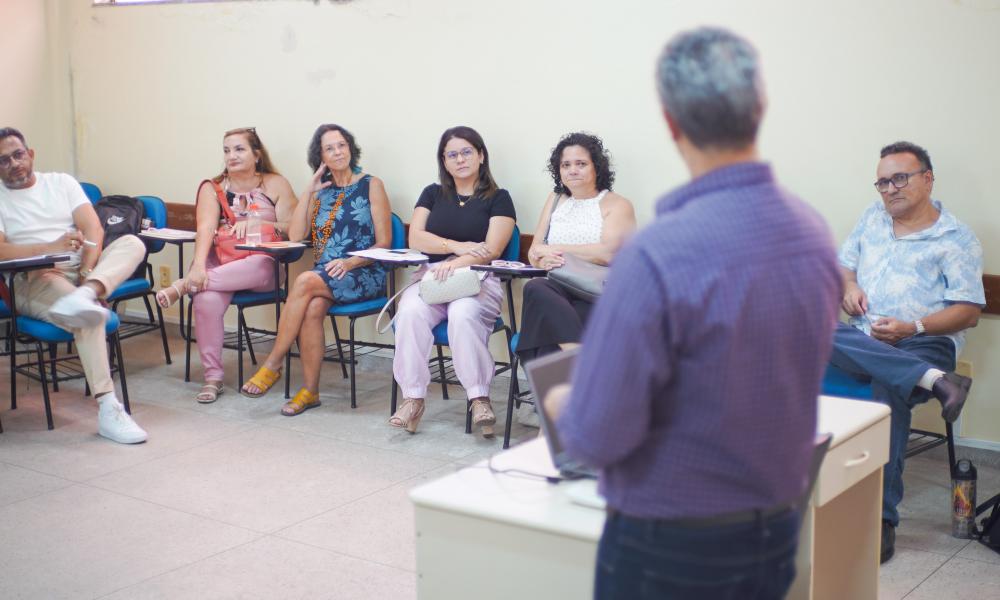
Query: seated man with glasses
<point x="48" y="213"/>
<point x="913" y="282"/>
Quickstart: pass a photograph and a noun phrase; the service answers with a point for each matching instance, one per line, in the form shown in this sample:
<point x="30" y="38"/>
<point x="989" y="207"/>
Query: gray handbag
<point x="580" y="278"/>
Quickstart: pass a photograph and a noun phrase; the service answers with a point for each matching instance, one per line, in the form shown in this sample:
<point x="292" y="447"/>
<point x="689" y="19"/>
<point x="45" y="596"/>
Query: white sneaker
<point x="116" y="424"/>
<point x="77" y="310"/>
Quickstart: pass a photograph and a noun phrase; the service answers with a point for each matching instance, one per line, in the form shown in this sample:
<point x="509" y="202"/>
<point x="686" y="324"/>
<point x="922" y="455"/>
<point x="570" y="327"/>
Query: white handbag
<point x="463" y="282"/>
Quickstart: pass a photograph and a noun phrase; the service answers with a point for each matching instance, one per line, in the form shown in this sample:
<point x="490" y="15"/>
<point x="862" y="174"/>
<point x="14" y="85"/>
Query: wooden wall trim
<point x="182" y="216"/>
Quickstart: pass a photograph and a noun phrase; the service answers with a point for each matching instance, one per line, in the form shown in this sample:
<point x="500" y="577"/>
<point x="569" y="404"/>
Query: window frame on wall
<point x="141" y="2"/>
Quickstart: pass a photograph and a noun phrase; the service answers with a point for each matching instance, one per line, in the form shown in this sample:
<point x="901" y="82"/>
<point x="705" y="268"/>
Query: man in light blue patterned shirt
<point x="913" y="282"/>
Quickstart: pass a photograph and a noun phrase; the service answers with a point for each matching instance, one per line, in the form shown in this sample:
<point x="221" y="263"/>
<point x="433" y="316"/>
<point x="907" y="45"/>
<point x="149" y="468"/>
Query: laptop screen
<point x="544" y="374"/>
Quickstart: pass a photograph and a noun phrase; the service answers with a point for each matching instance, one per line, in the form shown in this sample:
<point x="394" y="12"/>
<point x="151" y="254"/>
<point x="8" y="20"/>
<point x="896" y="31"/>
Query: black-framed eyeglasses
<point x="898" y="181"/>
<point x="8" y="159"/>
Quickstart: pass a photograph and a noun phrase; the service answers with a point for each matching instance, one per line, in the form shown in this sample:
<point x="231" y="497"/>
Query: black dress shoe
<point x="888" y="542"/>
<point x="951" y="390"/>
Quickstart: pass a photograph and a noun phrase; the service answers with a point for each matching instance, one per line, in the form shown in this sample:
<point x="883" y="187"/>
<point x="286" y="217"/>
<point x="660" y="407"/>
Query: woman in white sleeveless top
<point x="583" y="217"/>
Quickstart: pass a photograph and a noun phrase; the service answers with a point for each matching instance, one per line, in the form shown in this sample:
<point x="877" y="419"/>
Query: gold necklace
<point x="461" y="201"/>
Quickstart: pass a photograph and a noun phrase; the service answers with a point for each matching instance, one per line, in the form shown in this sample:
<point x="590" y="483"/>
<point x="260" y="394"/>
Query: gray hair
<point x="709" y="83"/>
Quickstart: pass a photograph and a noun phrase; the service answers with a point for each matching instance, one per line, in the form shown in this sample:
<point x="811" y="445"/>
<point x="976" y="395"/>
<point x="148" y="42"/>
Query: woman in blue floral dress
<point x="343" y="210"/>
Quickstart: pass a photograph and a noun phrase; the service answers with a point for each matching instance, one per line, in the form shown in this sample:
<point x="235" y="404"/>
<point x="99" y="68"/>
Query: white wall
<point x="154" y="87"/>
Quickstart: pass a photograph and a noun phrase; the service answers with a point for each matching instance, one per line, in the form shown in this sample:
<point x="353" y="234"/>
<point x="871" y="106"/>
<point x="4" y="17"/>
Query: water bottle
<point x="963" y="500"/>
<point x="253" y="226"/>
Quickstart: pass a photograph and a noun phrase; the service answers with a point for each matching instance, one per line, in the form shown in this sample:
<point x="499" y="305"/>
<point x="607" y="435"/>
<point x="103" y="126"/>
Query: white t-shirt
<point x="41" y="213"/>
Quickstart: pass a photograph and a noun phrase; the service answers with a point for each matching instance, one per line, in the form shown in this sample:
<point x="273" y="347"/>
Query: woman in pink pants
<point x="465" y="220"/>
<point x="248" y="178"/>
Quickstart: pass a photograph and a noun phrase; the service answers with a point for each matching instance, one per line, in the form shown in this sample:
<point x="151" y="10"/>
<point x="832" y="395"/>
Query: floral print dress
<point x="352" y="230"/>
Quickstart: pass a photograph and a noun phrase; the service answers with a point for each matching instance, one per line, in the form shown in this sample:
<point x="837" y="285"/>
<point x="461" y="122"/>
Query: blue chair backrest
<point x="837" y="382"/>
<point x="398" y="233"/>
<point x="93" y="192"/>
<point x="513" y="249"/>
<point x="156" y="211"/>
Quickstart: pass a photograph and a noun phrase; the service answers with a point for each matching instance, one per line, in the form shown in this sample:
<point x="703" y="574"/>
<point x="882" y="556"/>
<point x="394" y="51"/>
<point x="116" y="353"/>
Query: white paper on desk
<point x="169" y="234"/>
<point x="387" y="255"/>
<point x="429" y="274"/>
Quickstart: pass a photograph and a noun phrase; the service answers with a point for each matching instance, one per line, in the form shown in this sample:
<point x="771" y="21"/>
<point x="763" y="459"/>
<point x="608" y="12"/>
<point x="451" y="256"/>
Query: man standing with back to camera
<point x="695" y="392"/>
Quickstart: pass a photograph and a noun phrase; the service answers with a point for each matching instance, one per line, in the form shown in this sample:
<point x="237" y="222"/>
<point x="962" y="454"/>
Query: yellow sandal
<point x="303" y="401"/>
<point x="264" y="379"/>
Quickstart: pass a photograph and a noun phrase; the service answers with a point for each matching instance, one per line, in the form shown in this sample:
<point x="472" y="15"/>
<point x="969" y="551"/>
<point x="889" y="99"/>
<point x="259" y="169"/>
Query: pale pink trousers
<point x="254" y="273"/>
<point x="470" y="323"/>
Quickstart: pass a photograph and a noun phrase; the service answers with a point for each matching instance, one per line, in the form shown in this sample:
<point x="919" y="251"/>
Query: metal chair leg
<point x="288" y="373"/>
<point x="354" y="403"/>
<point x="950" y="442"/>
<point x="511" y="393"/>
<point x="149" y="308"/>
<point x="246" y="333"/>
<point x="444" y="380"/>
<point x="120" y="361"/>
<point x="163" y="333"/>
<point x="240" y="326"/>
<point x="45" y="386"/>
<point x="187" y="343"/>
<point x="340" y="352"/>
<point x="468" y="415"/>
<point x="52" y="367"/>
<point x="392" y="404"/>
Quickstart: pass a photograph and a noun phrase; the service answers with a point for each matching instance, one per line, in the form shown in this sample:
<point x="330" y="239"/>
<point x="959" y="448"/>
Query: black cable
<point x="553" y="479"/>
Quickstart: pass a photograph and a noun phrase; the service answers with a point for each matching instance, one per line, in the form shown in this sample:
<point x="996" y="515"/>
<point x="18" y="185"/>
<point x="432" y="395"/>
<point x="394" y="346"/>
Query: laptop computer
<point x="544" y="374"/>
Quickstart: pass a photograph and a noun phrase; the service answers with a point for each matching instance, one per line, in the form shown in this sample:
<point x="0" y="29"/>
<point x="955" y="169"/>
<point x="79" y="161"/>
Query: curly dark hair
<point x="909" y="148"/>
<point x="315" y="155"/>
<point x="598" y="155"/>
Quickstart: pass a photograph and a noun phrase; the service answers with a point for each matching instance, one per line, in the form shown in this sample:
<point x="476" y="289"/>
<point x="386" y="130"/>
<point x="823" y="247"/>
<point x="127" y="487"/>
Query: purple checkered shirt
<point x="695" y="392"/>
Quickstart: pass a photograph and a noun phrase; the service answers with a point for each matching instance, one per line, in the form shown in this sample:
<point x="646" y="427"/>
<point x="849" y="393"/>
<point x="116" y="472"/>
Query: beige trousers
<point x="37" y="291"/>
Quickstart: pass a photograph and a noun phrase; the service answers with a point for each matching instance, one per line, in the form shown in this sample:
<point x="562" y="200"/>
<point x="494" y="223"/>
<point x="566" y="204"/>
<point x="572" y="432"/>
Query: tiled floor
<point x="233" y="500"/>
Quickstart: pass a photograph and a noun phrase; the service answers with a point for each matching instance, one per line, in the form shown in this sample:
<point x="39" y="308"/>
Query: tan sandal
<point x="482" y="416"/>
<point x="301" y="402"/>
<point x="164" y="298"/>
<point x="408" y="415"/>
<point x="209" y="393"/>
<point x="264" y="379"/>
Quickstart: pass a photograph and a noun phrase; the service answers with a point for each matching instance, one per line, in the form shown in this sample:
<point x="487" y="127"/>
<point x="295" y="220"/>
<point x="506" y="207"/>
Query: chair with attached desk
<point x="837" y="382"/>
<point x="354" y="311"/>
<point x="244" y="300"/>
<point x="42" y="334"/>
<point x="511" y="253"/>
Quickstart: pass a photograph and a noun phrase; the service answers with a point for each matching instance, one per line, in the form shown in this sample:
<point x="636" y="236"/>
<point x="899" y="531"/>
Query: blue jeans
<point x="642" y="559"/>
<point x="894" y="372"/>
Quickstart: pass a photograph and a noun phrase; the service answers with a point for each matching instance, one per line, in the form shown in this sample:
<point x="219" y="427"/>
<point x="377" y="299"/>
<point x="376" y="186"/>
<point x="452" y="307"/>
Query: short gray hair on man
<point x="709" y="83"/>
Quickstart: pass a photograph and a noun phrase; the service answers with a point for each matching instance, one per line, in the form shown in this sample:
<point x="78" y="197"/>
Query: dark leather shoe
<point x="888" y="542"/>
<point x="951" y="390"/>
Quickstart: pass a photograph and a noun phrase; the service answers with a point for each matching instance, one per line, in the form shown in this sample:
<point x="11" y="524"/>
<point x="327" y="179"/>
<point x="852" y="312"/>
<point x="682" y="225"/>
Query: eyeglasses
<point x="899" y="181"/>
<point x="252" y="130"/>
<point x="17" y="155"/>
<point x="453" y="155"/>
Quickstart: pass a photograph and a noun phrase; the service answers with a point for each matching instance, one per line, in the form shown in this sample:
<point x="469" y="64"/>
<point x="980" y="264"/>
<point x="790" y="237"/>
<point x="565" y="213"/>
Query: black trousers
<point x="549" y="317"/>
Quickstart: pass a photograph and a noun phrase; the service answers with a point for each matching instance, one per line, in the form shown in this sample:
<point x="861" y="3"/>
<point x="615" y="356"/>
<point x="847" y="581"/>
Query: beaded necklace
<point x="321" y="235"/>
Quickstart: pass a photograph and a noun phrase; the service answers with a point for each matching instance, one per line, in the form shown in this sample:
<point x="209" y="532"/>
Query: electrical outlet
<point x="164" y="276"/>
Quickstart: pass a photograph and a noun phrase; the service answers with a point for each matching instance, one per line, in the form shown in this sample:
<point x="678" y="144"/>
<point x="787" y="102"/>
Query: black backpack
<point x="119" y="215"/>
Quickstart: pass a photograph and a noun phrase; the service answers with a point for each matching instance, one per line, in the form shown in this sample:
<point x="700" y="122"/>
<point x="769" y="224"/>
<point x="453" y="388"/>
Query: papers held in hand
<point x="404" y="255"/>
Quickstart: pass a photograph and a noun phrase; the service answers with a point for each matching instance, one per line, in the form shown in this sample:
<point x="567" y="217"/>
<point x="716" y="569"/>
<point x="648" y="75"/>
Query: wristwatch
<point x="920" y="327"/>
